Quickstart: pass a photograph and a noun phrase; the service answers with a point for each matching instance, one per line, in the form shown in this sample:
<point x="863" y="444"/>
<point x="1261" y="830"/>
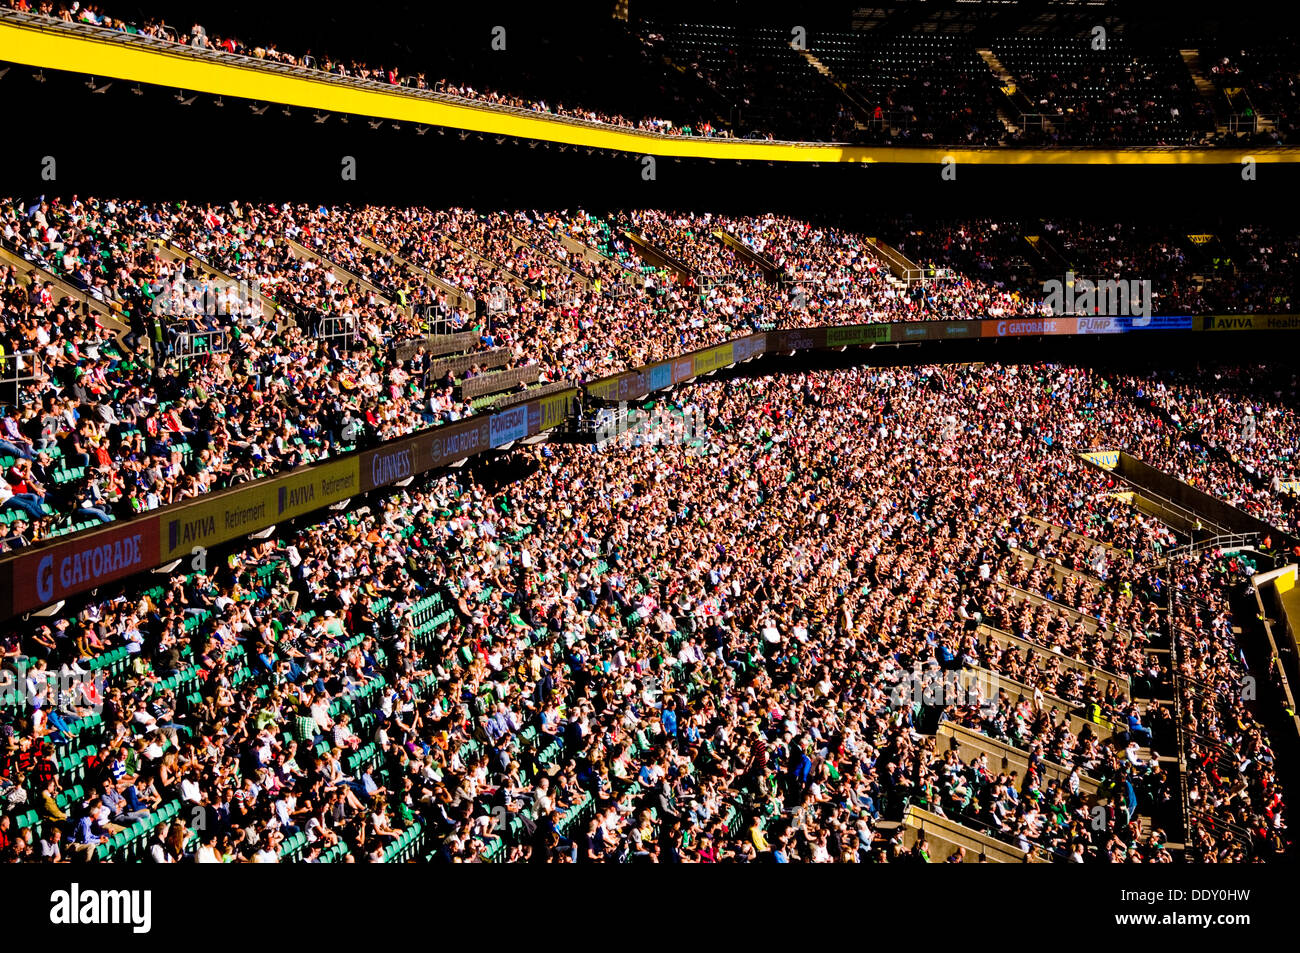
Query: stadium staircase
<point x="717" y="104"/>
<point x="1007" y="84"/>
<point x="270" y="307"/>
<point x="901" y="270"/>
<point x="660" y="258"/>
<point x="1054" y="260"/>
<point x="457" y="297"/>
<point x="607" y="248"/>
<point x="303" y="251"/>
<point x="845" y="90"/>
<point x="506" y="274"/>
<point x="628" y="280"/>
<point x="108" y="310"/>
<point x="771" y="273"/>
<point x="1209" y="93"/>
<point x="580" y="279"/>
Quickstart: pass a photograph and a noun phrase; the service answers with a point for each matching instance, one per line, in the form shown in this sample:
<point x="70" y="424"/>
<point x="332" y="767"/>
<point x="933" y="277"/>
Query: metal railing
<point x="1184" y="686"/>
<point x="1239" y="123"/>
<point x="1188" y="516"/>
<point x="1228" y="543"/>
<point x="185" y="346"/>
<point x="340" y="330"/>
<point x="17" y="369"/>
<point x="1180" y="716"/>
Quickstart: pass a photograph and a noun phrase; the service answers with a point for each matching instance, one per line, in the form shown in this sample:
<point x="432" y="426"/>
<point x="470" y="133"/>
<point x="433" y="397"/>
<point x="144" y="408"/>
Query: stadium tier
<point x="246" y="340"/>
<point x="855" y="596"/>
<point x="939" y="81"/>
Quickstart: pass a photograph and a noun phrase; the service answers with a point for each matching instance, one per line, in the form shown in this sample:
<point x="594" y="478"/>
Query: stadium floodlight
<point x="407" y="482"/>
<point x="169" y="567"/>
<point x="263" y="534"/>
<point x="49" y="610"/>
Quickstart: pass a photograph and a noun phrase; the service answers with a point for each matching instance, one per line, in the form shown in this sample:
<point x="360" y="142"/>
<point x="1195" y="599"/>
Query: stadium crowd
<point x="1231" y="433"/>
<point x="258" y="337"/>
<point x="697" y="652"/>
<point x="280" y="322"/>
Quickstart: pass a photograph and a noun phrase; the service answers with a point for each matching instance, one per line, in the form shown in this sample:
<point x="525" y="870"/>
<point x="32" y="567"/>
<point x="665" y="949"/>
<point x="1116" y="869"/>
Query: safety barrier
<point x="498" y="381"/>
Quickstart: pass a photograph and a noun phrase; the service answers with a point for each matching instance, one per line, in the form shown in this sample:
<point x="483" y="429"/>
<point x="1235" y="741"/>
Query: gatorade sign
<point x="95" y="559"/>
